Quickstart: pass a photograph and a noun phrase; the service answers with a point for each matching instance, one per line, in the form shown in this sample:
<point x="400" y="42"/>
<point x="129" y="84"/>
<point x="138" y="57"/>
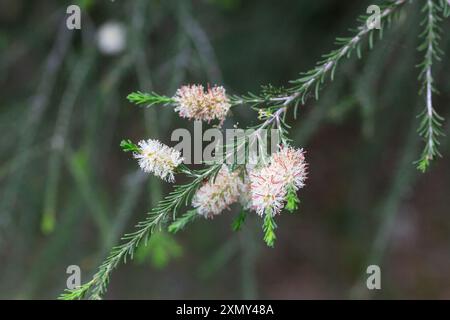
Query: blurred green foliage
<point x="161" y="248"/>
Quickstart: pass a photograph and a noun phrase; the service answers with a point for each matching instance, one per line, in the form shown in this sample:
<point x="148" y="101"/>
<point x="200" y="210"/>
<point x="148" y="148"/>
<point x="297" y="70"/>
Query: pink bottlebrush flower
<point x="267" y="191"/>
<point x="269" y="185"/>
<point x="291" y="166"/>
<point x="215" y="196"/>
<point x="194" y="103"/>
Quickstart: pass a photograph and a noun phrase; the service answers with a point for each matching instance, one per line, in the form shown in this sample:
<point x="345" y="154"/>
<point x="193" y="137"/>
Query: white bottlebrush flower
<point x="194" y="103"/>
<point x="111" y="38"/>
<point x="269" y="184"/>
<point x="159" y="159"/>
<point x="215" y="196"/>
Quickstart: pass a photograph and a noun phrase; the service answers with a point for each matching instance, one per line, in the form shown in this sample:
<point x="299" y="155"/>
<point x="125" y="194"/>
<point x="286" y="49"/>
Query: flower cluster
<point x="269" y="185"/>
<point x="264" y="189"/>
<point x="195" y="103"/>
<point x="218" y="194"/>
<point x="265" y="185"/>
<point x="157" y="158"/>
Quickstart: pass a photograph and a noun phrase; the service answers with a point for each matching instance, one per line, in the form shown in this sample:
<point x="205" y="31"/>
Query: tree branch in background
<point x="431" y="121"/>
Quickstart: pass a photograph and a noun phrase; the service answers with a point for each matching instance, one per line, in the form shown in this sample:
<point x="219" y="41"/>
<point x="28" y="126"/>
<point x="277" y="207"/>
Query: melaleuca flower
<point x="195" y="103"/>
<point x="157" y="158"/>
<point x="267" y="191"/>
<point x="215" y="196"/>
<point x="273" y="184"/>
<point x="291" y="166"/>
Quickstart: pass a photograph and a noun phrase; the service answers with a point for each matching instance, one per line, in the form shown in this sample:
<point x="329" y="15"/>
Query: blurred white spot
<point x="111" y="38"/>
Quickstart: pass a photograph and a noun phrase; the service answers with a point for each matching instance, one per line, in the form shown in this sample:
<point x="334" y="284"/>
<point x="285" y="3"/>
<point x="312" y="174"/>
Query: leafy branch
<point x="183" y="221"/>
<point x="431" y="121"/>
<point x="181" y="195"/>
<point x="129" y="146"/>
<point x="444" y="6"/>
<point x="149" y="99"/>
<point x="301" y="88"/>
<point x="238" y="222"/>
<point x="269" y="227"/>
<point x="314" y="78"/>
<point x="292" y="200"/>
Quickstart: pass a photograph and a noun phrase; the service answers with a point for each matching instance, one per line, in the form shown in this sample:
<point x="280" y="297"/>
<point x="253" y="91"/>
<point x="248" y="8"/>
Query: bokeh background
<point x="68" y="193"/>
